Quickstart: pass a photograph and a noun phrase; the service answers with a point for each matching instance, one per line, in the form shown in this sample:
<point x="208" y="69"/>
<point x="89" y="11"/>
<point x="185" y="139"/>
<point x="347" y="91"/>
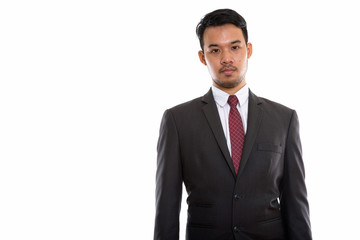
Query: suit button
<point x="237" y="229"/>
<point x="238" y="196"/>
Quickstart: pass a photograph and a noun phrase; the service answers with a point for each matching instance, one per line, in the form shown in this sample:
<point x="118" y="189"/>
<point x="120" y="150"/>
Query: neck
<point x="233" y="90"/>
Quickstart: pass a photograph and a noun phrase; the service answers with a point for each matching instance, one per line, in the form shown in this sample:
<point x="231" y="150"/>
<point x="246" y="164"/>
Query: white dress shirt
<point x="223" y="107"/>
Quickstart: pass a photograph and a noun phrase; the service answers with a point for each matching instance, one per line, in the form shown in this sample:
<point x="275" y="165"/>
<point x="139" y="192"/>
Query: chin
<point x="229" y="84"/>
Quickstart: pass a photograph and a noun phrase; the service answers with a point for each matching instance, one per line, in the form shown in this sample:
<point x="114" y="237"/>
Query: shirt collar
<point x="221" y="97"/>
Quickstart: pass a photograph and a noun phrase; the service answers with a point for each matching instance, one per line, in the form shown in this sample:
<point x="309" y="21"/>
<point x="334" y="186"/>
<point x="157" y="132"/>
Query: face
<point x="226" y="56"/>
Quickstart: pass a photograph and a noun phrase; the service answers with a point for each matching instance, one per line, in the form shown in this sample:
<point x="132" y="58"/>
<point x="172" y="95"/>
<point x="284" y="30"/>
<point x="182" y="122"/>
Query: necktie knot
<point x="233" y="100"/>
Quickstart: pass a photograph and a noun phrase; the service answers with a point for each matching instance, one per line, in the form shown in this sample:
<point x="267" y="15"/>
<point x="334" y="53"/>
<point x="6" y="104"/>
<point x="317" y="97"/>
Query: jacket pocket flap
<point x="269" y="147"/>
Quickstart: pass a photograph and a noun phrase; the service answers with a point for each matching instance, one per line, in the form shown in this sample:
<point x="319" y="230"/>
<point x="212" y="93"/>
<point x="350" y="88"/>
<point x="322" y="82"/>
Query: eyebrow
<point x="236" y="41"/>
<point x="216" y="45"/>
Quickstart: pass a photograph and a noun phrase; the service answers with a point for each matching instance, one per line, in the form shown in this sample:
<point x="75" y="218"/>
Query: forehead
<point x="223" y="34"/>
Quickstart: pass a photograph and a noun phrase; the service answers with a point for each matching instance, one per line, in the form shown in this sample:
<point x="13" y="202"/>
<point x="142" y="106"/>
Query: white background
<point x="83" y="85"/>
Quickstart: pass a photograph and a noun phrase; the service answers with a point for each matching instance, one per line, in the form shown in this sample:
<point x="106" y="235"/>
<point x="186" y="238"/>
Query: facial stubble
<point x="231" y="83"/>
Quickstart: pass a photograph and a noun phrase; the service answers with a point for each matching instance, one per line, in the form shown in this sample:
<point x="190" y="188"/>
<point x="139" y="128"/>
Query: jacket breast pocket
<point x="269" y="147"/>
<point x="270" y="156"/>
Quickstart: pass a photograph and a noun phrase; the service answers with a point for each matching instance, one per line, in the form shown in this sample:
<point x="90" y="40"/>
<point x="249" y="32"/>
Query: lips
<point x="227" y="70"/>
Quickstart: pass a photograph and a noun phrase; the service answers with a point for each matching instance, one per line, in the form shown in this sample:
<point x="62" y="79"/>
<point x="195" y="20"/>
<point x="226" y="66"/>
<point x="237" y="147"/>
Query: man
<point x="238" y="155"/>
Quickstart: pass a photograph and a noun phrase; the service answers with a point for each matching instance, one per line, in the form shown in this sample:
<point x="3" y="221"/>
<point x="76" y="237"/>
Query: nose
<point x="227" y="58"/>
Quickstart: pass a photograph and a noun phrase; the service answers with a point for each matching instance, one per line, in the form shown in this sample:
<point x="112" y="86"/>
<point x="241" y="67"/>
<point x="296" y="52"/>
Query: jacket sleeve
<point x="168" y="181"/>
<point x="294" y="204"/>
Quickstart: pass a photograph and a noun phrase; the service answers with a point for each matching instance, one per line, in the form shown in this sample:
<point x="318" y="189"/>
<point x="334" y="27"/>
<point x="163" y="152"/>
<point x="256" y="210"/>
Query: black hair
<point x="218" y="18"/>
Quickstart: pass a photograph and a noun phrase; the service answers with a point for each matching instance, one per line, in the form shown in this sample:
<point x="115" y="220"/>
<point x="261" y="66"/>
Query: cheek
<point x="211" y="62"/>
<point x="212" y="69"/>
<point x="210" y="65"/>
<point x="242" y="62"/>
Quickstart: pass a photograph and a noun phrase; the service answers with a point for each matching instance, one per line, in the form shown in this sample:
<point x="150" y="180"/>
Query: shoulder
<point x="274" y="105"/>
<point x="194" y="103"/>
<point x="183" y="112"/>
<point x="179" y="115"/>
<point x="273" y="108"/>
<point x="192" y="106"/>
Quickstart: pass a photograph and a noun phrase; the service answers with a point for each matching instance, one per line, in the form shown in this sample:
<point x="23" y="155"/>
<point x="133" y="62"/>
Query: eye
<point x="235" y="47"/>
<point x="215" y="50"/>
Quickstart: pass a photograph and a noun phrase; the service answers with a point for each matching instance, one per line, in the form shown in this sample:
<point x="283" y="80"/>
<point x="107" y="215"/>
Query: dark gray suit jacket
<point x="266" y="200"/>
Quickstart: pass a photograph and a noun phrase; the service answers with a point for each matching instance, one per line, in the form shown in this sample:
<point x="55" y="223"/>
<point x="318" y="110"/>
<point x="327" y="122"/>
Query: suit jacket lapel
<point x="212" y="115"/>
<point x="254" y="120"/>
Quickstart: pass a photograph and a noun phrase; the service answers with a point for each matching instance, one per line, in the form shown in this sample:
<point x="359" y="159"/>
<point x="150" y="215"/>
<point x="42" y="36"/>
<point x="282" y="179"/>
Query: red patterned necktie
<point x="236" y="129"/>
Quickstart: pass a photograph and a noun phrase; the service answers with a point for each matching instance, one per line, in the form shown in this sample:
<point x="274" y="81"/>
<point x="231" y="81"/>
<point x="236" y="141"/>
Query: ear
<point x="249" y="50"/>
<point x="202" y="57"/>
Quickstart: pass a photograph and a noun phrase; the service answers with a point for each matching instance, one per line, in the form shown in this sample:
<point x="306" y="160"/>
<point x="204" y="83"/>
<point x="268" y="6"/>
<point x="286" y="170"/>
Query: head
<point x="225" y="49"/>
<point x="218" y="18"/>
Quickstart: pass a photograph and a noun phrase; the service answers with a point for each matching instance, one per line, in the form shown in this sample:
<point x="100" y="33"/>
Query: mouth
<point x="228" y="70"/>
